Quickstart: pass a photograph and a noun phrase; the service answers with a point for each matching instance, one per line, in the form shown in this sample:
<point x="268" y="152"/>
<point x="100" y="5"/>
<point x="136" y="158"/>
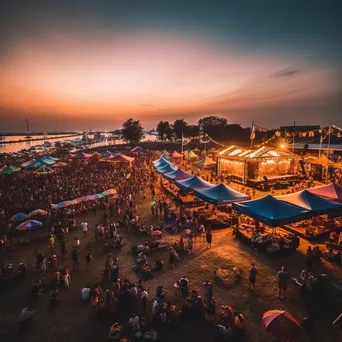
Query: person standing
<point x="209" y="237"/>
<point x="282" y="278"/>
<point x="84" y="226"/>
<point x="171" y="259"/>
<point x="252" y="277"/>
<point x="190" y="244"/>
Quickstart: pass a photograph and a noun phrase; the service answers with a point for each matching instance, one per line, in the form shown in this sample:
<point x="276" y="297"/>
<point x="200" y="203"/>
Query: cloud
<point x="288" y="72"/>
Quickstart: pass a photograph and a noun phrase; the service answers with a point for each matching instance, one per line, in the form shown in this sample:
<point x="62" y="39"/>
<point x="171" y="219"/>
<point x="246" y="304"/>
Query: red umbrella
<point x="157" y="233"/>
<point x="281" y="324"/>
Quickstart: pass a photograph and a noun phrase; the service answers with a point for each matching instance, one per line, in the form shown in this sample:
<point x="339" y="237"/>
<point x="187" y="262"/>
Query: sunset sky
<point x="93" y="64"/>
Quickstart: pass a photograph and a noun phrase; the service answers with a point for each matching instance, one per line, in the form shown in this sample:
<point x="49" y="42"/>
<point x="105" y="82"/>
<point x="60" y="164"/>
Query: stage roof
<point x="220" y="195"/>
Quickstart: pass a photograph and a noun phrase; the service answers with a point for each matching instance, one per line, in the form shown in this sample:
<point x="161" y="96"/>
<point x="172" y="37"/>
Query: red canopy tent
<point x="331" y="191"/>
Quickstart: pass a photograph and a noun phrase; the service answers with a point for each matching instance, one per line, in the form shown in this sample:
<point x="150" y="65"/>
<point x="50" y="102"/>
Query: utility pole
<point x="327" y="170"/>
<point x="294" y="134"/>
<point x="320" y="142"/>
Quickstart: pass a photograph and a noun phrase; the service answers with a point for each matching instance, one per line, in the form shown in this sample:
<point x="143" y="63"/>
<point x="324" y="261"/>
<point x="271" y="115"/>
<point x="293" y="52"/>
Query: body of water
<point x="16" y="147"/>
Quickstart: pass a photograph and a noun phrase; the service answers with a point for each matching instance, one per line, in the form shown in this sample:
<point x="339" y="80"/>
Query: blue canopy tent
<point x="166" y="169"/>
<point x="193" y="183"/>
<point x="162" y="163"/>
<point x="159" y="161"/>
<point x="177" y="175"/>
<point x="315" y="204"/>
<point x="50" y="158"/>
<point x="165" y="156"/>
<point x="272" y="211"/>
<point x="106" y="154"/>
<point x="220" y="195"/>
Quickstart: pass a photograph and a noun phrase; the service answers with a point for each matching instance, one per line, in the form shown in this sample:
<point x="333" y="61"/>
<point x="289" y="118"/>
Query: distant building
<point x="299" y="128"/>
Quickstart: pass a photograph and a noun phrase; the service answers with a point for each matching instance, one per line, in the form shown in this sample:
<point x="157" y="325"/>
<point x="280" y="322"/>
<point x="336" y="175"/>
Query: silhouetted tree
<point x="132" y="130"/>
<point x="164" y="130"/>
<point x="214" y="126"/>
<point x="179" y="127"/>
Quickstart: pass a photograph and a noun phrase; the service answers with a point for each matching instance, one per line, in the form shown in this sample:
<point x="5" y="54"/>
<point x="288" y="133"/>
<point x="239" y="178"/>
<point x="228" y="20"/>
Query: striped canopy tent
<point x="59" y="164"/>
<point x="81" y="155"/>
<point x="193" y="183"/>
<point x="331" y="191"/>
<point x="7" y="170"/>
<point x="28" y="162"/>
<point x="37" y="212"/>
<point x="159" y="160"/>
<point x="221" y="195"/>
<point x="29" y="225"/>
<point x="166" y="169"/>
<point x="44" y="170"/>
<point x="136" y="149"/>
<point x="192" y="154"/>
<point x="120" y="158"/>
<point x="175" y="154"/>
<point x="205" y="163"/>
<point x="19" y="217"/>
<point x="309" y="201"/>
<point x="162" y="163"/>
<point x="272" y="211"/>
<point x="39" y="163"/>
<point x="177" y="175"/>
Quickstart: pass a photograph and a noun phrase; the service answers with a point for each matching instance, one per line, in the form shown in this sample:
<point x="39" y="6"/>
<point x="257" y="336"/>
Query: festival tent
<point x="205" y="163"/>
<point x="193" y="183"/>
<point x="81" y="155"/>
<point x="106" y="154"/>
<point x="28" y="162"/>
<point x="192" y="154"/>
<point x="19" y="217"/>
<point x="50" y="158"/>
<point x="166" y="169"/>
<point x="59" y="164"/>
<point x="307" y="200"/>
<point x="136" y="149"/>
<point x="160" y="160"/>
<point x="196" y="149"/>
<point x="165" y="156"/>
<point x="7" y="170"/>
<point x="120" y="158"/>
<point x="175" y="154"/>
<point x="96" y="155"/>
<point x="322" y="160"/>
<point x="165" y="152"/>
<point x="44" y="170"/>
<point x="39" y="163"/>
<point x="331" y="191"/>
<point x="177" y="175"/>
<point x="220" y="195"/>
<point x="271" y="211"/>
<point x="27" y="225"/>
<point x="162" y="163"/>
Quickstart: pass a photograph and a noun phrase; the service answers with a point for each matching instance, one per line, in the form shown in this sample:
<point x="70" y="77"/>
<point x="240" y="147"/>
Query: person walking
<point x="84" y="226"/>
<point x="171" y="259"/>
<point x="190" y="244"/>
<point x="75" y="258"/>
<point x="282" y="278"/>
<point x="89" y="259"/>
<point x="252" y="277"/>
<point x="209" y="238"/>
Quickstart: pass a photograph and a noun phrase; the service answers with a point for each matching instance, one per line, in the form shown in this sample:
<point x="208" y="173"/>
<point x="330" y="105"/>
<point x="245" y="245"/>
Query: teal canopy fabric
<point x="177" y="175"/>
<point x="193" y="183"/>
<point x="272" y="211"/>
<point x="161" y="162"/>
<point x="315" y="204"/>
<point x="39" y="163"/>
<point x="221" y="194"/>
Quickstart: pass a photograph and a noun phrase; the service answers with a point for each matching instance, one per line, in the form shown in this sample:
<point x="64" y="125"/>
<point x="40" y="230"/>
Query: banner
<point x="83" y="199"/>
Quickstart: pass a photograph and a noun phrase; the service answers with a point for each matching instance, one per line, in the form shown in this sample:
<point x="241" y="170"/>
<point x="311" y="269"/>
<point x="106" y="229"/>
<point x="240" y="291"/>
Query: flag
<point x="252" y="136"/>
<point x="260" y="129"/>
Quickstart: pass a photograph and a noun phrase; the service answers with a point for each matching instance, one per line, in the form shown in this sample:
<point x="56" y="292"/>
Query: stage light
<point x="282" y="146"/>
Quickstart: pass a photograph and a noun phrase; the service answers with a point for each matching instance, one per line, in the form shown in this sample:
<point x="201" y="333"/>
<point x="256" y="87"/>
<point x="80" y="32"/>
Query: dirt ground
<point x="70" y="319"/>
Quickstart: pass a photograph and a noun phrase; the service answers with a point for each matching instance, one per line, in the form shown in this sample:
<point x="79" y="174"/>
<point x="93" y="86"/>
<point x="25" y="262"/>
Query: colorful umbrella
<point x="7" y="170"/>
<point x="44" y="170"/>
<point x="38" y="212"/>
<point x="27" y="225"/>
<point x="281" y="324"/>
<point x="19" y="217"/>
<point x="157" y="233"/>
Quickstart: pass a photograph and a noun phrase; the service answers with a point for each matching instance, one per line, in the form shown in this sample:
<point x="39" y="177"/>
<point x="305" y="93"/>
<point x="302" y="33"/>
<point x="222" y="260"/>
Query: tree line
<point x="215" y="127"/>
